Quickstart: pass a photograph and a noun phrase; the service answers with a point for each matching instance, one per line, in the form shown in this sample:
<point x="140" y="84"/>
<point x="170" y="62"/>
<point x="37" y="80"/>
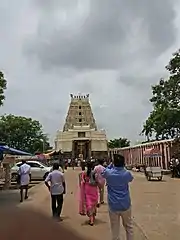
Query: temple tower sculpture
<point x="79" y="113"/>
<point x="80" y="135"/>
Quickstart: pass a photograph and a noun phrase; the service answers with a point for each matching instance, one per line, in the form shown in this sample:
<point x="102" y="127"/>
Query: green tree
<point x="118" y="143"/>
<point x="23" y="133"/>
<point x="164" y="121"/>
<point x="3" y="85"/>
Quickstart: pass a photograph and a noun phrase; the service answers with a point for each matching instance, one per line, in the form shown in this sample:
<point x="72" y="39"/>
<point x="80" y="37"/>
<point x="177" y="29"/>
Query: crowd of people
<point x="92" y="180"/>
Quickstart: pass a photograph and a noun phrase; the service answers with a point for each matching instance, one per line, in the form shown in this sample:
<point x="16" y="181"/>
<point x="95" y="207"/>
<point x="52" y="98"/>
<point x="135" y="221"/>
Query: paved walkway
<point x="155" y="207"/>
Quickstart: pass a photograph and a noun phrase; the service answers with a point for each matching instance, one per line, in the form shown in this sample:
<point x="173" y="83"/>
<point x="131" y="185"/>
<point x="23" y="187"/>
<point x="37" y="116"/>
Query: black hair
<point x="55" y="166"/>
<point x="101" y="161"/>
<point x="90" y="167"/>
<point x="119" y="160"/>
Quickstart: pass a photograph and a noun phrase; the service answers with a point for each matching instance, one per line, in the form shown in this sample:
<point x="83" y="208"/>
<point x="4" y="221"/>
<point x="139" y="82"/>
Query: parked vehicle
<point x="154" y="172"/>
<point x="151" y="171"/>
<point x="39" y="171"/>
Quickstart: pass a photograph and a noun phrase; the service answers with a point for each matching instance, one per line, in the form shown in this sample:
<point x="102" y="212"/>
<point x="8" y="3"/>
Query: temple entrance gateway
<point x="81" y="147"/>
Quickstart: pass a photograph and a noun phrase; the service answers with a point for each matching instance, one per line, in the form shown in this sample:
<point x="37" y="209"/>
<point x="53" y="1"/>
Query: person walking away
<point x="98" y="170"/>
<point x="119" y="201"/>
<point x="105" y="164"/>
<point x="57" y="188"/>
<point x="61" y="164"/>
<point x="83" y="165"/>
<point x="73" y="163"/>
<point x="60" y="168"/>
<point x="69" y="162"/>
<point x="173" y="166"/>
<point x="24" y="179"/>
<point x="66" y="164"/>
<point x="178" y="167"/>
<point x="88" y="193"/>
<point x="82" y="206"/>
<point x="76" y="162"/>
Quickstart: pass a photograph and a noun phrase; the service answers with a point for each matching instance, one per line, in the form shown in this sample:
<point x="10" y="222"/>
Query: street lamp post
<point x="43" y="145"/>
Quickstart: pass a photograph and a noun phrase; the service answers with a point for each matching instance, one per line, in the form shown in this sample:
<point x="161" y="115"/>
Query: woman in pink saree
<point x="88" y="193"/>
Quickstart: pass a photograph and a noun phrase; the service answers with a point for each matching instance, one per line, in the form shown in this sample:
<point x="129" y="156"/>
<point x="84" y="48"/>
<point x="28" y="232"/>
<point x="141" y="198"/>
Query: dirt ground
<point x="156" y="209"/>
<point x="100" y="230"/>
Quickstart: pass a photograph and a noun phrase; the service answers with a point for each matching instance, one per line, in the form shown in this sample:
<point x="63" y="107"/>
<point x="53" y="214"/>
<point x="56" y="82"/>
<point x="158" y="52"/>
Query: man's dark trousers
<point x="56" y="204"/>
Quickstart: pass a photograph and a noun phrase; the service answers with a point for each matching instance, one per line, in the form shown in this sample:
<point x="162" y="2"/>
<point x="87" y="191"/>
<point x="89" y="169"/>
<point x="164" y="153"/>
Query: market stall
<point x="7" y="159"/>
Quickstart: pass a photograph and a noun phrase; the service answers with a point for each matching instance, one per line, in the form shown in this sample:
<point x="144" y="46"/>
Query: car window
<point x="18" y="164"/>
<point x="33" y="165"/>
<point x="44" y="165"/>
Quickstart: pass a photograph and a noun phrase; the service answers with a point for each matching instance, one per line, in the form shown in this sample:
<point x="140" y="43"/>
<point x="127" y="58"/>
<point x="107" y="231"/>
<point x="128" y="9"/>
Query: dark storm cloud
<point x="100" y="42"/>
<point x="139" y="82"/>
<point x="54" y="4"/>
<point x="109" y="49"/>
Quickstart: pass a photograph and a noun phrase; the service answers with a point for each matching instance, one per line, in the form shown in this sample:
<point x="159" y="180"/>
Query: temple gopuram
<point x="80" y="137"/>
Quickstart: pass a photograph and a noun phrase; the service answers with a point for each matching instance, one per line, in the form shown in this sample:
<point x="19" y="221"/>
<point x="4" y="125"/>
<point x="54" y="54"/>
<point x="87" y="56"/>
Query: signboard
<point x="152" y="152"/>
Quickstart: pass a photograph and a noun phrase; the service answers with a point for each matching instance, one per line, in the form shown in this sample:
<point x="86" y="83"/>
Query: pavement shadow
<point x="102" y="211"/>
<point x="9" y="198"/>
<point x="65" y="217"/>
<point x="156" y="180"/>
<point x="97" y="222"/>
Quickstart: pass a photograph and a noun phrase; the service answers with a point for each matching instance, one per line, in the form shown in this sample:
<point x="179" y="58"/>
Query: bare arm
<point x="47" y="180"/>
<point x="130" y="177"/>
<point x="64" y="184"/>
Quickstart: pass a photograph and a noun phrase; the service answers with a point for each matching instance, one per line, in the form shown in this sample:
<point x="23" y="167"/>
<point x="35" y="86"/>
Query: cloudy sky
<point x="113" y="49"/>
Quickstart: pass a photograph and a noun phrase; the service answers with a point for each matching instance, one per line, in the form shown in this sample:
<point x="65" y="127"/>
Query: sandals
<point x="91" y="223"/>
<point x="82" y="214"/>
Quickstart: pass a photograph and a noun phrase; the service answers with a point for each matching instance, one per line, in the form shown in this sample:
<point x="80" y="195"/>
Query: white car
<point x="39" y="171"/>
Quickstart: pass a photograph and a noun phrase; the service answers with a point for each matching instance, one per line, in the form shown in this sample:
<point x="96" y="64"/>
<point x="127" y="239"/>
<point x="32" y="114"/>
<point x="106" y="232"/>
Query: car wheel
<point x="45" y="176"/>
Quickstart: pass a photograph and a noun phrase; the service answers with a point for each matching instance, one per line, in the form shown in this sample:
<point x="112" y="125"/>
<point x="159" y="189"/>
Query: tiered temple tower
<point x="80" y="136"/>
<point x="79" y="113"/>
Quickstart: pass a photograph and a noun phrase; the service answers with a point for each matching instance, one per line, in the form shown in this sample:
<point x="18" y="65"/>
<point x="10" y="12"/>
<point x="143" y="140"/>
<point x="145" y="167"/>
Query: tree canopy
<point x="3" y="85"/>
<point x="164" y="121"/>
<point x="23" y="133"/>
<point x="119" y="143"/>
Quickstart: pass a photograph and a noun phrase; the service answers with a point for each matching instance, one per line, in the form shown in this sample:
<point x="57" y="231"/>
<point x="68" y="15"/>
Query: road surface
<point x="156" y="209"/>
<point x="11" y="197"/>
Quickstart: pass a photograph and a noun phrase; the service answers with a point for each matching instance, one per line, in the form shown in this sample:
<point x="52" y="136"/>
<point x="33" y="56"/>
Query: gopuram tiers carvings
<point x="79" y="113"/>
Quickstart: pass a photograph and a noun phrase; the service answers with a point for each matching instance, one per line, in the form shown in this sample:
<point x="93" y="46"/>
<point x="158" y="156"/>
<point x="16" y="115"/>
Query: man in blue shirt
<point x="119" y="201"/>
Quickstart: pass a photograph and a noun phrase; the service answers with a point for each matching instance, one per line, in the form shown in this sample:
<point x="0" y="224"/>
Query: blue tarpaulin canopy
<point x="13" y="151"/>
